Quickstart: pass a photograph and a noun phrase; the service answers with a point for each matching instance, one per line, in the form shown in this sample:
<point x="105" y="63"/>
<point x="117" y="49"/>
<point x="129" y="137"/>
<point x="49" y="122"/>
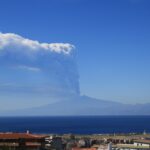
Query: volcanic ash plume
<point x="28" y="66"/>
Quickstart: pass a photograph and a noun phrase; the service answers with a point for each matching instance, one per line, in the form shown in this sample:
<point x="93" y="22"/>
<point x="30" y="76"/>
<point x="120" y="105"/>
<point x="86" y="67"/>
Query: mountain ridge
<point x="83" y="105"/>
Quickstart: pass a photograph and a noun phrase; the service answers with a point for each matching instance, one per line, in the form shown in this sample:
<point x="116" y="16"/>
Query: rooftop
<point x="142" y="141"/>
<point x="10" y="135"/>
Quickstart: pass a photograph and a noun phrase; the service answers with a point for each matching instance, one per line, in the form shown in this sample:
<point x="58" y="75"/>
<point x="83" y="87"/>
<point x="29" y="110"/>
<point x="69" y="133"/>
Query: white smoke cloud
<point x="14" y="40"/>
<point x="30" y="64"/>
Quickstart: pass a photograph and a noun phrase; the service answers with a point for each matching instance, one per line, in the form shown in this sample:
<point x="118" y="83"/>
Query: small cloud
<point x="28" y="68"/>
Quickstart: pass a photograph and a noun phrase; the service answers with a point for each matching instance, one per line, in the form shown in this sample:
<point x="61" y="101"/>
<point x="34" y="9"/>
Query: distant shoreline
<point x="82" y="125"/>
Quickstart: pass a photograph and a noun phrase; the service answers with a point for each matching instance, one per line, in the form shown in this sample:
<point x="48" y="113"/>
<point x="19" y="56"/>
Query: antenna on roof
<point x="144" y="133"/>
<point x="28" y="132"/>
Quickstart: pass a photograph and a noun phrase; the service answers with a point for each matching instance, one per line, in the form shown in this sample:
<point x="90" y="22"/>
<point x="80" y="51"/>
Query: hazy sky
<point x="112" y="40"/>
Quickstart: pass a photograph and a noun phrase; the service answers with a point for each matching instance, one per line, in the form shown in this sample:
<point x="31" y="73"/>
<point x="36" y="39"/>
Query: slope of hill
<point x="83" y="105"/>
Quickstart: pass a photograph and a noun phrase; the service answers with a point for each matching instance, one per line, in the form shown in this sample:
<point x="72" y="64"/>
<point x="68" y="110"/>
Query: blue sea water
<point x="76" y="125"/>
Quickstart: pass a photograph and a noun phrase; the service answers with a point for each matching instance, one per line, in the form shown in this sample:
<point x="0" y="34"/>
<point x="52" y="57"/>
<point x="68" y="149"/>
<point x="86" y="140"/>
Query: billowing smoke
<point x="28" y="65"/>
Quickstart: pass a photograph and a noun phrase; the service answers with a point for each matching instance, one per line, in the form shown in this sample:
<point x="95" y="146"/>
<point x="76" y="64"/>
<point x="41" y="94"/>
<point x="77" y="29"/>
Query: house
<point x="76" y="148"/>
<point x="17" y="141"/>
<point x="103" y="146"/>
<point x="142" y="142"/>
<point x="54" y="142"/>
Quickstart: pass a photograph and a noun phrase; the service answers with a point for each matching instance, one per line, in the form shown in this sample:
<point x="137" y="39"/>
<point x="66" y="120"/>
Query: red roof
<point x="19" y="136"/>
<point x="143" y="141"/>
<point x="76" y="148"/>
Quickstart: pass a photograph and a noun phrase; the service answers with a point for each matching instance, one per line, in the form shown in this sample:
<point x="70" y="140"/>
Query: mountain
<point x="83" y="105"/>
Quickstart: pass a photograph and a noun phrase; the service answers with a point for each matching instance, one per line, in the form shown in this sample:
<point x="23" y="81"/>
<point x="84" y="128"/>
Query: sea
<point x="76" y="124"/>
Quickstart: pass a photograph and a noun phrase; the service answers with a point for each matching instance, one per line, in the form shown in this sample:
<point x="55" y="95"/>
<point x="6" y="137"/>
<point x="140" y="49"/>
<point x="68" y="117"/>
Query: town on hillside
<point x="29" y="141"/>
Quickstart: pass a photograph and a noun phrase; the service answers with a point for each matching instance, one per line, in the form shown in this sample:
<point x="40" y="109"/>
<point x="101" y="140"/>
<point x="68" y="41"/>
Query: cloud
<point x="11" y="39"/>
<point x="31" y="64"/>
<point x="28" y="68"/>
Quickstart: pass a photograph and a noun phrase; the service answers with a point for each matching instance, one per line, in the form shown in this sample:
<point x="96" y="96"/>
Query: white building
<point x="144" y="143"/>
<point x="105" y="147"/>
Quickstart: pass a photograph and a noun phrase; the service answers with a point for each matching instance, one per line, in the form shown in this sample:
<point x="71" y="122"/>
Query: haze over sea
<point x="76" y="124"/>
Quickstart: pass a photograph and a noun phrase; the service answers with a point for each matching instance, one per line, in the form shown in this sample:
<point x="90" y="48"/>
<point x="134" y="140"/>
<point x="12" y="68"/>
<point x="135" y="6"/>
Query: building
<point x="21" y="141"/>
<point x="54" y="142"/>
<point x="76" y="148"/>
<point x="103" y="146"/>
<point x="143" y="142"/>
<point x="137" y="145"/>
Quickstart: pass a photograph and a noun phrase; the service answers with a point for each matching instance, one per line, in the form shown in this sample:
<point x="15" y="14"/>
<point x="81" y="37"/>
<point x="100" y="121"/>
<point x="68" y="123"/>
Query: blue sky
<point x="112" y="40"/>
